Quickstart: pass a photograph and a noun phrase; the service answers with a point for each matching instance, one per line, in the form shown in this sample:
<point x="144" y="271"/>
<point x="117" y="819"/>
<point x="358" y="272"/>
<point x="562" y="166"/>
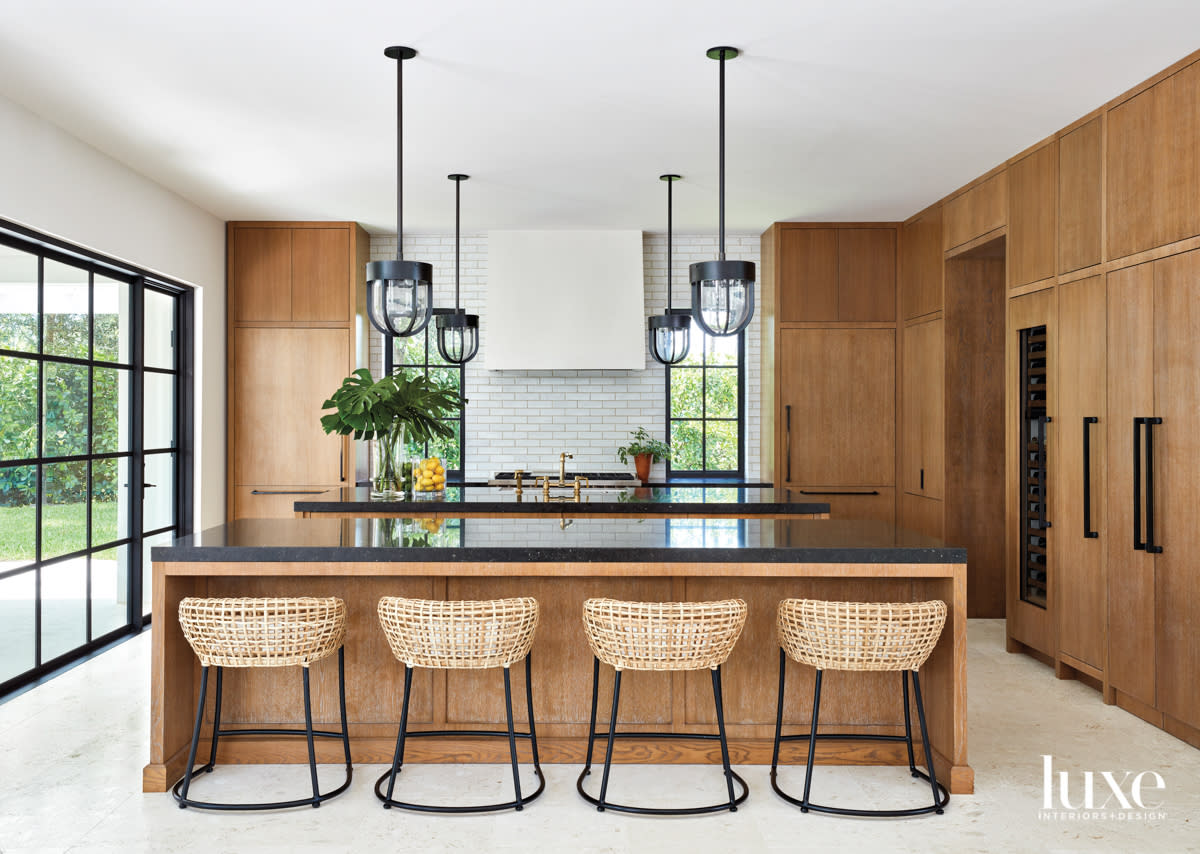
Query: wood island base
<point x="562" y="667"/>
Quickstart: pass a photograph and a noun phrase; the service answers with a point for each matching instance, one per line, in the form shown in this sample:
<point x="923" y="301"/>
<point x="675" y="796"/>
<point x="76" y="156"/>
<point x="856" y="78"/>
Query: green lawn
<point x="64" y="529"/>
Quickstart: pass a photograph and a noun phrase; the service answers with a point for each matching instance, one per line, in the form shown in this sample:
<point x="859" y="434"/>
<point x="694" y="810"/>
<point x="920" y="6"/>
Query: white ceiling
<point x="564" y="113"/>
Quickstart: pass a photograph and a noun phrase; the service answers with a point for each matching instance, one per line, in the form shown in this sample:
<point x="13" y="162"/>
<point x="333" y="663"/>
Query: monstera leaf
<point x="366" y="408"/>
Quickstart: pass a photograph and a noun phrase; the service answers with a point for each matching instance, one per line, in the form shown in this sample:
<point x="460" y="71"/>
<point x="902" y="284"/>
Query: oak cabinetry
<point x="838" y="396"/>
<point x="1078" y="475"/>
<point x="294" y="290"/>
<point x="976" y="212"/>
<point x="829" y="364"/>
<point x="1080" y="185"/>
<point x="921" y="265"/>
<point x="1032" y="202"/>
<point x="845" y="274"/>
<point x="1153" y="398"/>
<point x="1153" y="165"/>
<point x="923" y="414"/>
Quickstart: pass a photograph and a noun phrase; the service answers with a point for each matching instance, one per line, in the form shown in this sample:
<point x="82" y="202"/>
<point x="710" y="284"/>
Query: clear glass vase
<point x="388" y="464"/>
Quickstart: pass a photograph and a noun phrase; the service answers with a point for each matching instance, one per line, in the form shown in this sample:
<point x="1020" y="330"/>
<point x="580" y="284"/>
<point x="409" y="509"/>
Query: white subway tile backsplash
<point x="526" y="418"/>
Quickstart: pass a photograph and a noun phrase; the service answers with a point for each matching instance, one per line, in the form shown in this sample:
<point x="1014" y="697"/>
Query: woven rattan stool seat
<point x="860" y="635"/>
<point x="262" y="632"/>
<point x="459" y="635"/>
<point x="663" y="635"/>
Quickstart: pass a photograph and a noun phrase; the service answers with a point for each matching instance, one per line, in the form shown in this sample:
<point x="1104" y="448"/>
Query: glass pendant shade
<point x="722" y="295"/>
<point x="670" y="337"/>
<point x="457" y="337"/>
<point x="399" y="296"/>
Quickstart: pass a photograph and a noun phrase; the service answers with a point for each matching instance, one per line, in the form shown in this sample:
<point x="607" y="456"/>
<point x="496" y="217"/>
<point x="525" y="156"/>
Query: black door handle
<point x="1138" y="545"/>
<point x="287" y="491"/>
<point x="787" y="446"/>
<point x="1088" y="533"/>
<point x="837" y="492"/>
<point x="1150" y="545"/>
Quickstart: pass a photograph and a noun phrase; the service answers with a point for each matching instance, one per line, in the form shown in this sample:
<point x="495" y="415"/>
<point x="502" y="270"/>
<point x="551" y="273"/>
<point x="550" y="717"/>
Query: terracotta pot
<point x="641" y="464"/>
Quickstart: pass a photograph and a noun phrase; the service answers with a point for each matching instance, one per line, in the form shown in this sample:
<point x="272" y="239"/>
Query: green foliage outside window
<point x="419" y="354"/>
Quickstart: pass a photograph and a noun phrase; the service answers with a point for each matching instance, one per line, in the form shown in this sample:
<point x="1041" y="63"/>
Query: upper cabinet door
<point x="1080" y="161"/>
<point x="841" y="387"/>
<point x="808" y="274"/>
<point x="866" y="274"/>
<point x="981" y="209"/>
<point x="921" y="265"/>
<point x="261" y="273"/>
<point x="1154" y="165"/>
<point x="321" y="274"/>
<point x="1032" y="193"/>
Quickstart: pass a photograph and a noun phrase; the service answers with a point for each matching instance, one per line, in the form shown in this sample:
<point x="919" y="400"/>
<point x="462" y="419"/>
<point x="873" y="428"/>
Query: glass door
<point x="90" y="410"/>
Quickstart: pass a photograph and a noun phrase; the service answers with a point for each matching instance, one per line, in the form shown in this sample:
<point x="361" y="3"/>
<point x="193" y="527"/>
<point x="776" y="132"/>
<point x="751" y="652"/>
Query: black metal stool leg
<point x="612" y="731"/>
<point x="398" y="756"/>
<point x="512" y="739"/>
<point x="342" y="702"/>
<point x="812" y="741"/>
<point x="719" y="700"/>
<point x="587" y="760"/>
<point x="912" y="764"/>
<point x="308" y="731"/>
<point x="537" y="765"/>
<point x="212" y="753"/>
<point x="933" y="783"/>
<point x="191" y="760"/>
<point x="778" y="716"/>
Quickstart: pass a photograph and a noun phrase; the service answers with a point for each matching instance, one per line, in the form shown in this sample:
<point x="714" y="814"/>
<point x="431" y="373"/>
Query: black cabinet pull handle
<point x="1150" y="545"/>
<point x="1088" y="533"/>
<point x="787" y="440"/>
<point x="845" y="492"/>
<point x="922" y="478"/>
<point x="342" y="464"/>
<point x="286" y="491"/>
<point x="1138" y="545"/>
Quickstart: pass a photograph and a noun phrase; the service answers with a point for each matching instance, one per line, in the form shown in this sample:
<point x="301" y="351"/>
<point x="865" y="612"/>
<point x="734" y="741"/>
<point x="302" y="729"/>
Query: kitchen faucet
<point x="562" y="467"/>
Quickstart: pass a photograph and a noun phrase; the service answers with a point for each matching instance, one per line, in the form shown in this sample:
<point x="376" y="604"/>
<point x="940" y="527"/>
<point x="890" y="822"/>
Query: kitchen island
<point x="647" y="502"/>
<point x="560" y="562"/>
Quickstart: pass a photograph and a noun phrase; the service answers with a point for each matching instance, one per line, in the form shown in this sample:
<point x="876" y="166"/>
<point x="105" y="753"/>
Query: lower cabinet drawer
<point x="271" y="502"/>
<point x="851" y="502"/>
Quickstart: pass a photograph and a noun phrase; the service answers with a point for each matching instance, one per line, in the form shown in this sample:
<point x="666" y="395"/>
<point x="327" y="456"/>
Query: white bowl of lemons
<point x="429" y="478"/>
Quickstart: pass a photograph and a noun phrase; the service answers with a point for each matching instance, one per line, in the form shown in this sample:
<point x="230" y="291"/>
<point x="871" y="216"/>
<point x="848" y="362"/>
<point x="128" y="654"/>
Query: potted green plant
<point x="645" y="450"/>
<point x="392" y="410"/>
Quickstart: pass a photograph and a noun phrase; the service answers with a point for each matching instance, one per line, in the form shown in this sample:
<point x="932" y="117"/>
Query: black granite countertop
<point x="534" y="540"/>
<point x="634" y="501"/>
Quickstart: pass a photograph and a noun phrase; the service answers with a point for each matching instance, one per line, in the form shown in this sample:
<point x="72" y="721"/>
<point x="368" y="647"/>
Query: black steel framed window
<point x="705" y="420"/>
<point x="419" y="353"/>
<point x="95" y="439"/>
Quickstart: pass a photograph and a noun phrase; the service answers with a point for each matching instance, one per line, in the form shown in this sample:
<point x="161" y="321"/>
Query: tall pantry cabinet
<point x="295" y="294"/>
<point x="829" y="365"/>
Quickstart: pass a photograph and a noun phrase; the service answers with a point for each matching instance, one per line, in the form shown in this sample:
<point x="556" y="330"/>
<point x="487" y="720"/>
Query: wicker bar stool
<point x="461" y="635"/>
<point x="891" y="636"/>
<point x="263" y="633"/>
<point x="663" y="636"/>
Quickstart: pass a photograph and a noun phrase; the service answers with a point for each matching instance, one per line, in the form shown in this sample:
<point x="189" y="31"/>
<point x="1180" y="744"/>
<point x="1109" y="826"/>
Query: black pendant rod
<point x="457" y="239"/>
<point x="400" y="160"/>
<point x="670" y="181"/>
<point x="721" y="148"/>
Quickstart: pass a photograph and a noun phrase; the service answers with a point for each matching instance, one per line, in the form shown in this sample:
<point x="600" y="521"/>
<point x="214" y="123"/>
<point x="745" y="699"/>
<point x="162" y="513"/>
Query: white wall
<point x="526" y="418"/>
<point x="55" y="184"/>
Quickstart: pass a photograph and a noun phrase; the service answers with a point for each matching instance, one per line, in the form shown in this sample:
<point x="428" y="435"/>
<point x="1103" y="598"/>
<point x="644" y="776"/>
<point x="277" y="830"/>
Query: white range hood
<point x="565" y="300"/>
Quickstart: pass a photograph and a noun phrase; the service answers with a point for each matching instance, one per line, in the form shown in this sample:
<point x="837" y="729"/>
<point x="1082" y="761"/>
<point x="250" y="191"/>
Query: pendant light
<point x="669" y="333"/>
<point x="399" y="292"/>
<point x="722" y="291"/>
<point x="457" y="333"/>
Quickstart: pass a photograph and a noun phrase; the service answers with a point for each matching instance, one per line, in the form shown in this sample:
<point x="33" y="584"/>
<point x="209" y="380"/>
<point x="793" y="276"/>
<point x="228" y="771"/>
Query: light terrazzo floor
<point x="72" y="750"/>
